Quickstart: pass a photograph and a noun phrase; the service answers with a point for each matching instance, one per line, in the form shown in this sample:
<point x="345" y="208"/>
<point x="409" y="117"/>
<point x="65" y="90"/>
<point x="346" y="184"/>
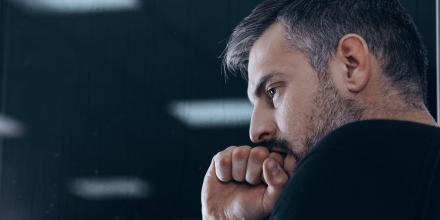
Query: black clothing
<point x="377" y="169"/>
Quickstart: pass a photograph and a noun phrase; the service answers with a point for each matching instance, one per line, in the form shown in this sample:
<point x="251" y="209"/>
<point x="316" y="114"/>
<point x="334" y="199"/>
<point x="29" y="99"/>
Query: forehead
<point x="272" y="53"/>
<point x="271" y="45"/>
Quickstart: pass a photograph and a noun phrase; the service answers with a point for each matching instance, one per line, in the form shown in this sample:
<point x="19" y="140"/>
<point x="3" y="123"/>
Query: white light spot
<point x="212" y="113"/>
<point x="77" y="6"/>
<point x="10" y="128"/>
<point x="103" y="188"/>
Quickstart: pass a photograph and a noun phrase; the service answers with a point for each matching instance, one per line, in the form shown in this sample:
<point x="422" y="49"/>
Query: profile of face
<point x="293" y="105"/>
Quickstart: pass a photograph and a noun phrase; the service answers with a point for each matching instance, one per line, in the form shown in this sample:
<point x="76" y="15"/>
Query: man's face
<point x="294" y="107"/>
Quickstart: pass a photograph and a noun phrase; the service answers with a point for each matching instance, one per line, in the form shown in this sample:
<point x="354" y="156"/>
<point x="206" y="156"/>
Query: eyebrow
<point x="261" y="85"/>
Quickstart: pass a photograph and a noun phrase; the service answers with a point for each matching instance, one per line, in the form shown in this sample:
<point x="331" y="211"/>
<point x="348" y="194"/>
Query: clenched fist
<point x="244" y="183"/>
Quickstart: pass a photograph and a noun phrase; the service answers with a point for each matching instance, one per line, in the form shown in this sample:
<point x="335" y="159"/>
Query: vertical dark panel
<point x="437" y="17"/>
<point x="3" y="63"/>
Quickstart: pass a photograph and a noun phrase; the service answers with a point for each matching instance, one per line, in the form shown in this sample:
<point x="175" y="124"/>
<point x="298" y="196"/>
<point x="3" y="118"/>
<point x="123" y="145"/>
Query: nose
<point x="263" y="127"/>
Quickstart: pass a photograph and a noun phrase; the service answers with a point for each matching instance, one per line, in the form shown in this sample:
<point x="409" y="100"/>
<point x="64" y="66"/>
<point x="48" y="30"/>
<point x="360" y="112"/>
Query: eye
<point x="271" y="92"/>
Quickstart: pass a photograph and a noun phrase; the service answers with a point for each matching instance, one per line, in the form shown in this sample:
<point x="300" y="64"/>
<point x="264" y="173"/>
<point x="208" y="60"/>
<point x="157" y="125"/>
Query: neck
<point x="418" y="114"/>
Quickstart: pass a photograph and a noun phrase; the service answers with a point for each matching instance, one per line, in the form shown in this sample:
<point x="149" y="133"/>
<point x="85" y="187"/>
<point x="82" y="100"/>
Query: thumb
<point x="276" y="179"/>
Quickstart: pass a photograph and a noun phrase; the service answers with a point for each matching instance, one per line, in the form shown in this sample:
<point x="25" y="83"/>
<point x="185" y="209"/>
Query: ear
<point x="352" y="52"/>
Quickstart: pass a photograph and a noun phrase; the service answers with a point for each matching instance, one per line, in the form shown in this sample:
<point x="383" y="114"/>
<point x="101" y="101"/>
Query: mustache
<point x="281" y="146"/>
<point x="277" y="144"/>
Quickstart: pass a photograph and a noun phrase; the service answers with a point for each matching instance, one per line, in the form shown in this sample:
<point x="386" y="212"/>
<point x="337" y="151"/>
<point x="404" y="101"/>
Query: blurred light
<point x="10" y="128"/>
<point x="103" y="188"/>
<point x="77" y="6"/>
<point x="212" y="113"/>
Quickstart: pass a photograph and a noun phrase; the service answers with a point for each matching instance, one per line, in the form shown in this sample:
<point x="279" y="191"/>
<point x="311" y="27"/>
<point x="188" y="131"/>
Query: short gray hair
<point x="316" y="26"/>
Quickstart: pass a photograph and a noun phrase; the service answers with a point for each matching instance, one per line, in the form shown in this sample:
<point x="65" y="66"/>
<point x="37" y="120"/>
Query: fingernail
<point x="273" y="167"/>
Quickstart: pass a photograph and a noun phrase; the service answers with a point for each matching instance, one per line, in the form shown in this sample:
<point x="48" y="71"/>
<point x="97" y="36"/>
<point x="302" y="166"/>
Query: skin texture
<point x="293" y="108"/>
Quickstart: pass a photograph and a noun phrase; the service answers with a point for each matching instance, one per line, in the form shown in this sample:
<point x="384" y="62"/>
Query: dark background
<point x="93" y="90"/>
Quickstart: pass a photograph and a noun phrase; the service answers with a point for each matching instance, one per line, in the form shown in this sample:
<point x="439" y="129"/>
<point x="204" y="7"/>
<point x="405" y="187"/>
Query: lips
<point x="279" y="150"/>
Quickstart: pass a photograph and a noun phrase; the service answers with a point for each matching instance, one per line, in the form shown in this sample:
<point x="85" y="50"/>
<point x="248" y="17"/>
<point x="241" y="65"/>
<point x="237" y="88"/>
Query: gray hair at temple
<point x="315" y="27"/>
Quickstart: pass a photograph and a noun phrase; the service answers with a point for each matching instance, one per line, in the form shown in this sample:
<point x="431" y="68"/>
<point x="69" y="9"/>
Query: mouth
<point x="280" y="146"/>
<point x="279" y="150"/>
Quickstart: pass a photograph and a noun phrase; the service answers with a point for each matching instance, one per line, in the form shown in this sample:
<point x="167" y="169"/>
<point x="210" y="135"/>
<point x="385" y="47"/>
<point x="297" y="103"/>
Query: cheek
<point x="288" y="114"/>
<point x="294" y="113"/>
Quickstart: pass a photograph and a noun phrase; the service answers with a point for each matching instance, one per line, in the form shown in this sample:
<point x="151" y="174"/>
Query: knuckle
<point x="217" y="157"/>
<point x="241" y="153"/>
<point x="260" y="153"/>
<point x="230" y="148"/>
<point x="224" y="161"/>
<point x="222" y="158"/>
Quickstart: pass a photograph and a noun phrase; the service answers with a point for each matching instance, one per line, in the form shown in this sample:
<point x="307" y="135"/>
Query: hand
<point x="244" y="183"/>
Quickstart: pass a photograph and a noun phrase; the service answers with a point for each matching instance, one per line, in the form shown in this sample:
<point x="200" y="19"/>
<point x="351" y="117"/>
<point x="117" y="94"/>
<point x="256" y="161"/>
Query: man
<point x="338" y="94"/>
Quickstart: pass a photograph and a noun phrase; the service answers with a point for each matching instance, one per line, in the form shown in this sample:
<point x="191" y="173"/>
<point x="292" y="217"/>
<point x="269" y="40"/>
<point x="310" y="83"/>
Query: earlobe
<point x="354" y="54"/>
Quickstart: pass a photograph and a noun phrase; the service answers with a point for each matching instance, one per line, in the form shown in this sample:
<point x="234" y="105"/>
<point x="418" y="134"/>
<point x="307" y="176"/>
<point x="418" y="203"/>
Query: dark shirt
<point x="377" y="169"/>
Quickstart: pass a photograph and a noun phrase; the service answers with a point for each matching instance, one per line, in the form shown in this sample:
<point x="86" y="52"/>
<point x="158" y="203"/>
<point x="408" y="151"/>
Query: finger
<point x="223" y="164"/>
<point x="278" y="157"/>
<point x="276" y="178"/>
<point x="240" y="157"/>
<point x="289" y="164"/>
<point x="254" y="167"/>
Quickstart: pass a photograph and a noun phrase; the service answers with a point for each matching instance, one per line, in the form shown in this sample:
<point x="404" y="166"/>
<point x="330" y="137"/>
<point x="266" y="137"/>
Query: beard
<point x="330" y="111"/>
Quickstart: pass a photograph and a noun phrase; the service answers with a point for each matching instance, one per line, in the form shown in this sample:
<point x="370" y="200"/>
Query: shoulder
<point x="336" y="185"/>
<point x="381" y="132"/>
<point x="347" y="179"/>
